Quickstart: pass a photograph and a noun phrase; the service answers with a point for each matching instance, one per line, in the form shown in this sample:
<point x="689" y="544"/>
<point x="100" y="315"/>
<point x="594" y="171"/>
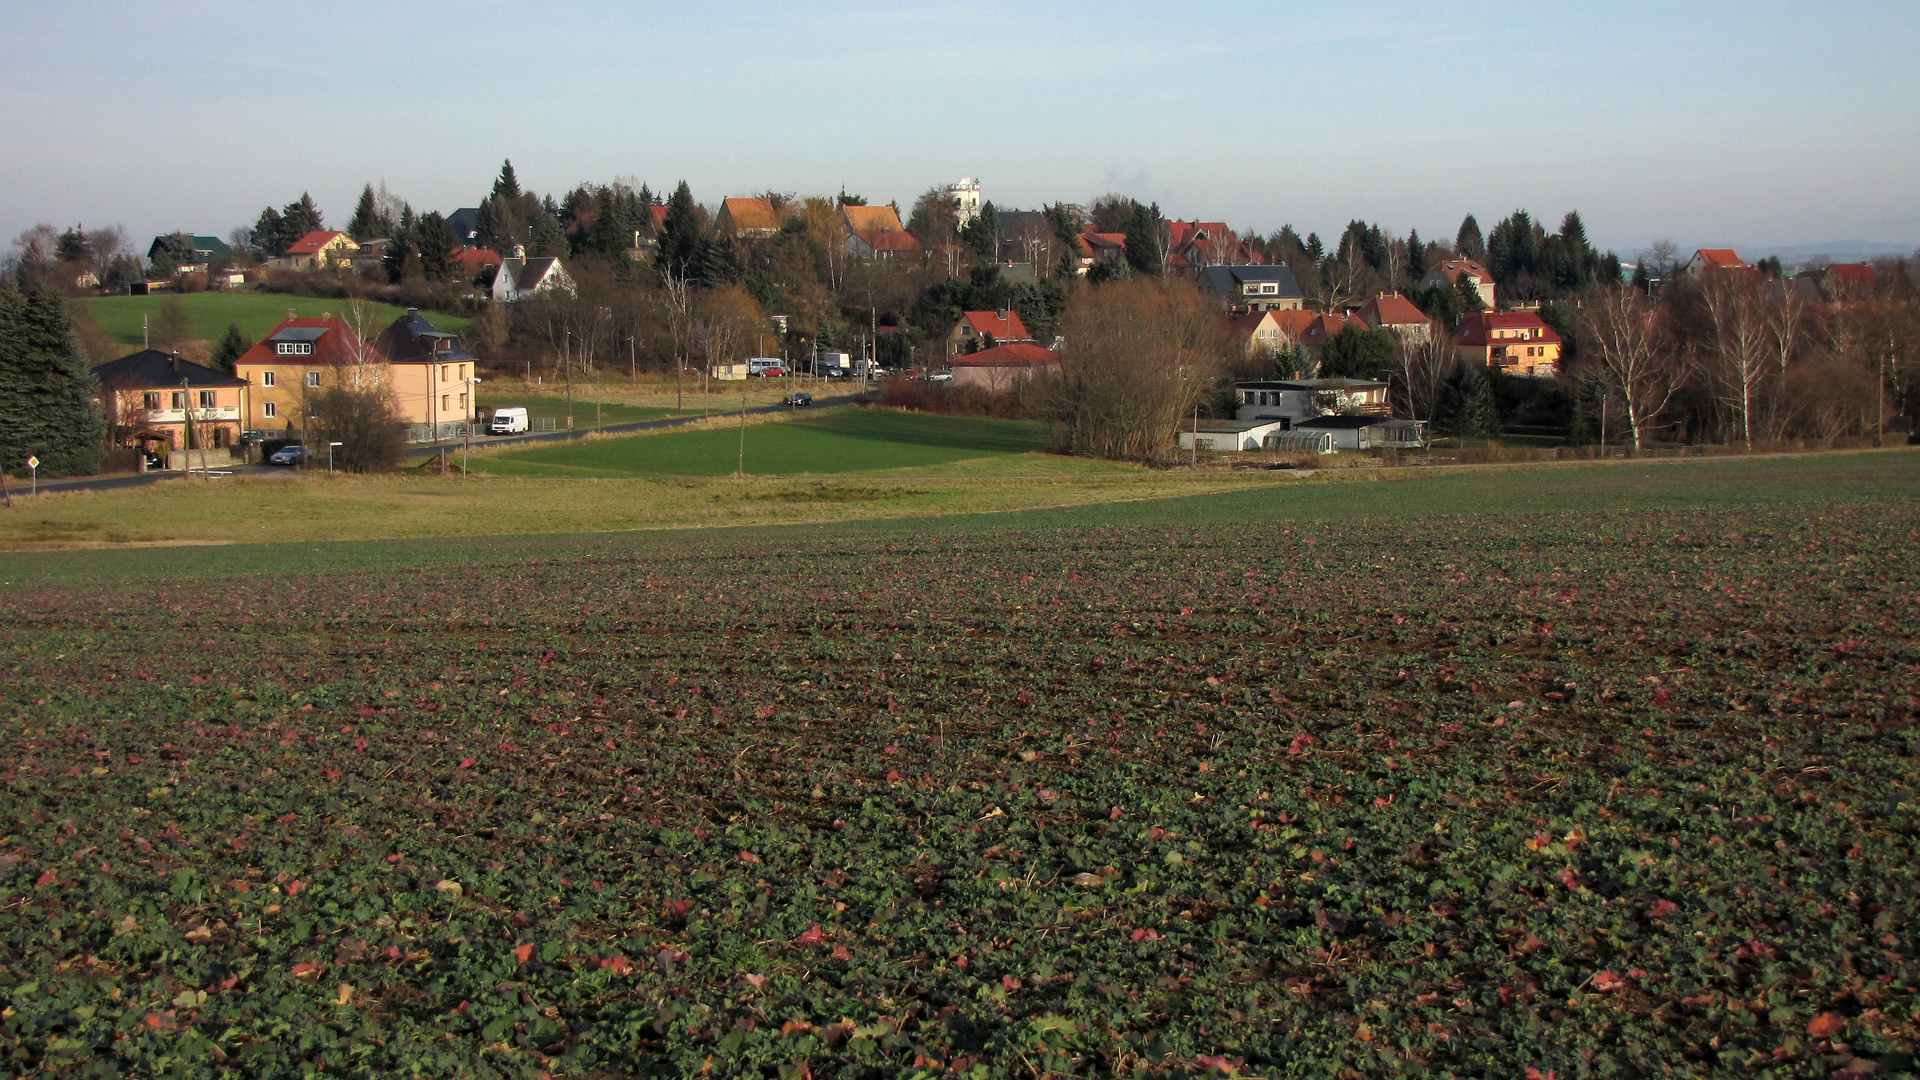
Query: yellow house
<point x="298" y="361"/>
<point x="432" y="377"/>
<point x="317" y="250"/>
<point x="1516" y="342"/>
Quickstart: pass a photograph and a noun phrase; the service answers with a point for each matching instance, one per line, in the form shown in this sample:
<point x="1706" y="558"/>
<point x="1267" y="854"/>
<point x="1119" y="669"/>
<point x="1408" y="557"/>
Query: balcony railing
<point x="175" y="416"/>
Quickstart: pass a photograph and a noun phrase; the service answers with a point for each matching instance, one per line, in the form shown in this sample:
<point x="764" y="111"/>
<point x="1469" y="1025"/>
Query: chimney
<point x="519" y="251"/>
<point x="175" y="358"/>
<point x="292" y="314"/>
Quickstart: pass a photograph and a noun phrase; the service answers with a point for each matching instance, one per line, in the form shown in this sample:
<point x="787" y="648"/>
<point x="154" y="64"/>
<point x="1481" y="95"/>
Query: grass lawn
<point x="539" y="405"/>
<point x="213" y="312"/>
<point x="313" y="523"/>
<point x="834" y="441"/>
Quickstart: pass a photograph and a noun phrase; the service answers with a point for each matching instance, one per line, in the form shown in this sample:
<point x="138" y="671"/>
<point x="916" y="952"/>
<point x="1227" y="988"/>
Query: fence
<point x="452" y="429"/>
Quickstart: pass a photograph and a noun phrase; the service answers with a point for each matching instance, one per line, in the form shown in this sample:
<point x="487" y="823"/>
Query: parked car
<point x="507" y="421"/>
<point x="940" y="376"/>
<point x="798" y="399"/>
<point x="293" y="454"/>
<point x="767" y="373"/>
<point x="766" y="367"/>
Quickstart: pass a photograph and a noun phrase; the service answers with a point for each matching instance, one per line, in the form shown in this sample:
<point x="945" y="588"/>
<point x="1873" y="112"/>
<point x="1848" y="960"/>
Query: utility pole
<point x="740" y="468"/>
<point x="679" y="397"/>
<point x="1194" y="460"/>
<point x="567" y="353"/>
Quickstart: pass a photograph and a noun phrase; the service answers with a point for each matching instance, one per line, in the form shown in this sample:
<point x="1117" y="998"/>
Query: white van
<point x="766" y="367"/>
<point x="507" y="421"/>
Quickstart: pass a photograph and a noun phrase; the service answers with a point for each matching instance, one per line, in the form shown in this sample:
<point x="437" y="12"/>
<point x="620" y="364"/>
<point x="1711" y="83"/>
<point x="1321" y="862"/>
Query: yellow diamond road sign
<point x="33" y="462"/>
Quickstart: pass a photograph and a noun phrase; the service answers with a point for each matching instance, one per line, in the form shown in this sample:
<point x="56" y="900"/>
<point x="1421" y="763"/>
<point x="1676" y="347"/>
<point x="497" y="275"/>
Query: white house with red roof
<point x="979" y="330"/>
<point x="1002" y="367"/>
<point x="317" y="250"/>
<point x="1714" y="259"/>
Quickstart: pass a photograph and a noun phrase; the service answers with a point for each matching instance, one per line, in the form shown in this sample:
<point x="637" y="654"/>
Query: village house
<point x="1397" y="315"/>
<point x="1196" y="245"/>
<point x="1366" y="432"/>
<point x="1515" y="342"/>
<point x="979" y="330"/>
<point x="1253" y="287"/>
<point x="748" y="218"/>
<point x="317" y="250"/>
<point x="1296" y="401"/>
<point x="1003" y="367"/>
<point x="432" y="378"/>
<point x="1227" y="436"/>
<point x="1323" y="328"/>
<point x="875" y="232"/>
<point x="1100" y="247"/>
<point x="160" y="403"/>
<point x="1705" y="259"/>
<point x="291" y="367"/>
<point x="1256" y="333"/>
<point x="1449" y="272"/>
<point x="521" y="277"/>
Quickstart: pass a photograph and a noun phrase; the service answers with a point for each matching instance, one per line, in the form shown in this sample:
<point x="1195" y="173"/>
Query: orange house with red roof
<point x="1515" y="342"/>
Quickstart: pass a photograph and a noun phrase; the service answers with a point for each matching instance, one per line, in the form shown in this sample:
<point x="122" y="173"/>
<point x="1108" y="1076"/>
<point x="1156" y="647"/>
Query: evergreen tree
<point x="1440" y="301"/>
<point x="1467" y="406"/>
<point x="231" y="347"/>
<point x="679" y="240"/>
<point x="1143" y="240"/>
<point x="506" y="187"/>
<point x="1416" y="256"/>
<point x="433" y="240"/>
<point x="266" y="234"/>
<point x="73" y="247"/>
<point x="716" y="262"/>
<point x="47" y="393"/>
<point x="1513" y="255"/>
<point x="298" y="219"/>
<point x="1315" y="250"/>
<point x="1467" y="295"/>
<point x="1573" y="234"/>
<point x="545" y="236"/>
<point x="1641" y="280"/>
<point x="365" y="223"/>
<point x="982" y="234"/>
<point x="1357" y="352"/>
<point x="1469" y="243"/>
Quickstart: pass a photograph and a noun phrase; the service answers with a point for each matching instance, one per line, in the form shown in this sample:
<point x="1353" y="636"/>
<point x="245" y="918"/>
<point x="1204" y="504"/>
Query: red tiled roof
<point x="1393" y="310"/>
<point x="1108" y="241"/>
<point x="1015" y="355"/>
<point x="1294" y="323"/>
<point x="659" y="217"/>
<point x="1452" y="268"/>
<point x="888" y="240"/>
<point x="1325" y="326"/>
<point x="473" y="258"/>
<point x="1720" y="258"/>
<point x="311" y="243"/>
<point x="865" y="219"/>
<point x="1853" y="275"/>
<point x="752" y="215"/>
<point x="1478" y="329"/>
<point x="1003" y="325"/>
<point x="337" y="345"/>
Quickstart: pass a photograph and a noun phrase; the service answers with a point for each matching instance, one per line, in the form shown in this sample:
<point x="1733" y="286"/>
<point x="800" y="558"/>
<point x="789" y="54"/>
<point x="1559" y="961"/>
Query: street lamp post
<point x="473" y="397"/>
<point x="330" y="447"/>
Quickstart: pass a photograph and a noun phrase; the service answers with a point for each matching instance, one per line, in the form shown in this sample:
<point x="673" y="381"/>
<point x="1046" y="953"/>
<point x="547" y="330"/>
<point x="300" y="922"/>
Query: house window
<point x="266" y="378"/>
<point x="463" y="404"/>
<point x="446" y="402"/>
<point x="313" y="380"/>
<point x="443" y="373"/>
<point x="206" y="399"/>
<point x="293" y="348"/>
<point x="179" y="399"/>
<point x="267" y="409"/>
<point x="152" y="400"/>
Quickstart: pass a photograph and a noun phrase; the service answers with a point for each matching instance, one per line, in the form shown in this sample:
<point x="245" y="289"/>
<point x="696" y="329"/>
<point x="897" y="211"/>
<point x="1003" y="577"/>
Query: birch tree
<point x="1629" y="338"/>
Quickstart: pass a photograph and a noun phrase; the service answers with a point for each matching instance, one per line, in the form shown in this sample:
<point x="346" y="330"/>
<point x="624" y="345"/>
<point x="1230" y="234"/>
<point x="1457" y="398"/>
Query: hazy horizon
<point x="1760" y="126"/>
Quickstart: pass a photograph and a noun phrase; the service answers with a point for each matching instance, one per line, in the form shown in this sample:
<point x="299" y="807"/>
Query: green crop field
<point x="835" y="441"/>
<point x="255" y="313"/>
<point x="1600" y="771"/>
<point x="555" y="408"/>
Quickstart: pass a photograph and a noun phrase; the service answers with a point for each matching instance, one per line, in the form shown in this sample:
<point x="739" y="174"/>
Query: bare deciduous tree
<point x="1425" y="365"/>
<point x="1140" y="355"/>
<point x="1736" y="350"/>
<point x="1627" y="335"/>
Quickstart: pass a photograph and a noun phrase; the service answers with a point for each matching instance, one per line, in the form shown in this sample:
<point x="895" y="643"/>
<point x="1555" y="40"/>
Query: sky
<point x="1752" y="124"/>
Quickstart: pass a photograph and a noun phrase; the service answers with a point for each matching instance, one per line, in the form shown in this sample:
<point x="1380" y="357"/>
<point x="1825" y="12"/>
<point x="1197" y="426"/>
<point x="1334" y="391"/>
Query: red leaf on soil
<point x="1607" y="982"/>
<point x="305" y="971"/>
<point x="1009" y="983"/>
<point x="523" y="953"/>
<point x="1144" y="934"/>
<point x="466" y="763"/>
<point x="1825" y="1026"/>
<point x="48" y="878"/>
<point x="294" y="887"/>
<point x="619" y="965"/>
<point x="840" y="953"/>
<point x="749" y="857"/>
<point x="811" y="937"/>
<point x="1662" y="909"/>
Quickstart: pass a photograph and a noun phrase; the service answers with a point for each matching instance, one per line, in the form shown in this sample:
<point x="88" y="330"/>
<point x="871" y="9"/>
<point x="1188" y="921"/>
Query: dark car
<point x="798" y="399"/>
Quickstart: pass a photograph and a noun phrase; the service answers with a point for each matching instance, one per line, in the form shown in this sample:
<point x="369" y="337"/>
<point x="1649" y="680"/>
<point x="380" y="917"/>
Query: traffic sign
<point x="33" y="462"/>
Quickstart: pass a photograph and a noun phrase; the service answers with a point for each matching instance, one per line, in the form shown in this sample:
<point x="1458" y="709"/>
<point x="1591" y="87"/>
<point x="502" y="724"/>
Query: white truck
<point x="509" y="420"/>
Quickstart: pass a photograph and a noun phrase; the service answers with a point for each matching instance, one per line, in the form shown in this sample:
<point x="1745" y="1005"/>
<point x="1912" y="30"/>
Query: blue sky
<point x="1759" y="124"/>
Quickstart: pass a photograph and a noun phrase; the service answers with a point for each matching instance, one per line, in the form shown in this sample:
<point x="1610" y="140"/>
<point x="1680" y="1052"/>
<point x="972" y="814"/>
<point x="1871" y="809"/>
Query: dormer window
<point x="293" y="348"/>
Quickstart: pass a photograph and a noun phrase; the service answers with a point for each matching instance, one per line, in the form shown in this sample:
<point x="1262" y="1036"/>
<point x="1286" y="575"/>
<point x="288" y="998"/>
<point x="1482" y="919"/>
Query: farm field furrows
<point x="1593" y="794"/>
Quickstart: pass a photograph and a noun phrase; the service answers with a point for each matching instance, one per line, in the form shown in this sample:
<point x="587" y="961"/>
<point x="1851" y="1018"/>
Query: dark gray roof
<point x="464" y="222"/>
<point x="411" y="339"/>
<point x="152" y="369"/>
<point x="1206" y="426"/>
<point x="1311" y="384"/>
<point x="530" y="274"/>
<point x="299" y="333"/>
<point x="1225" y="280"/>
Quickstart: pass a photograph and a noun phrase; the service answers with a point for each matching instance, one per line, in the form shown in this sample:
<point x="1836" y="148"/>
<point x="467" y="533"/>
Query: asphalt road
<point x="532" y="437"/>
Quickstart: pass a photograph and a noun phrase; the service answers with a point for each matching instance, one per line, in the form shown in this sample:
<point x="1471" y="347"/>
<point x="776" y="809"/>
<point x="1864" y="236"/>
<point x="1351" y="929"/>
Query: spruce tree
<point x="364" y="224"/>
<point x="1143" y="242"/>
<point x="506" y="187"/>
<point x="230" y="348"/>
<point x="434" y="241"/>
<point x="298" y="219"/>
<point x="1467" y="406"/>
<point x="1416" y="256"/>
<point x="1468" y="241"/>
<point x="679" y="234"/>
<point x="47" y="392"/>
<point x="267" y="232"/>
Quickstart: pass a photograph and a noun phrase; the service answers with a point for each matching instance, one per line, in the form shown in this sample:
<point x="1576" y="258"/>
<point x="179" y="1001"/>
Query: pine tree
<point x="231" y="347"/>
<point x="680" y="233"/>
<point x="298" y="219"/>
<point x="434" y="242"/>
<point x="364" y="224"/>
<point x="506" y="187"/>
<point x="1469" y="243"/>
<point x="1467" y="295"/>
<point x="47" y="393"/>
<point x="1467" y="406"/>
<point x="1416" y="256"/>
<point x="267" y="232"/>
<point x="1143" y="240"/>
